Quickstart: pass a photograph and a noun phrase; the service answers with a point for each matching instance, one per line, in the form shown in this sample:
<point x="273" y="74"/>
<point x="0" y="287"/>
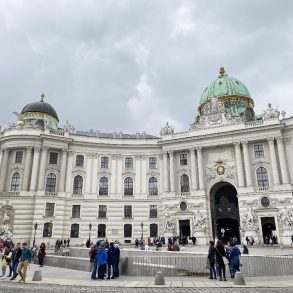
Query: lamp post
<point x="35" y="227"/>
<point x="90" y="228"/>
<point x="141" y="225"/>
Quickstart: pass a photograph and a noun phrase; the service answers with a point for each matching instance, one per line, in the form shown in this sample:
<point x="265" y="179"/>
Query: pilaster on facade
<point x="275" y="169"/>
<point x="4" y="166"/>
<point x="283" y="162"/>
<point x="94" y="178"/>
<point x="172" y="173"/>
<point x="35" y="169"/>
<point x="27" y="169"/>
<point x="69" y="172"/>
<point x="194" y="170"/>
<point x="200" y="167"/>
<point x="247" y="166"/>
<point x="166" y="171"/>
<point x="239" y="164"/>
<point x="63" y="170"/>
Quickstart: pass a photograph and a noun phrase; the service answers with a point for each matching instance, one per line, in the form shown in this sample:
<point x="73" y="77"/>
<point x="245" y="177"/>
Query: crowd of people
<point x="18" y="257"/>
<point x="104" y="259"/>
<point x="61" y="243"/>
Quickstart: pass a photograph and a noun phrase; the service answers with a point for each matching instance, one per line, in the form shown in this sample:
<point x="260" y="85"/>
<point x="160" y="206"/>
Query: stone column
<point x="88" y="173"/>
<point x="27" y="167"/>
<point x="194" y="185"/>
<point x="283" y="164"/>
<point x="35" y="169"/>
<point x="63" y="171"/>
<point x="95" y="173"/>
<point x="4" y="165"/>
<point x="275" y="170"/>
<point x="200" y="168"/>
<point x="247" y="164"/>
<point x="165" y="164"/>
<point x="239" y="163"/>
<point x="43" y="168"/>
<point x="172" y="183"/>
<point x="69" y="172"/>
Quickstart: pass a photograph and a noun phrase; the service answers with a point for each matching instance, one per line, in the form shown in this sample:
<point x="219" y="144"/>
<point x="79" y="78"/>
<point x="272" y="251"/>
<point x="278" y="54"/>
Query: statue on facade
<point x="68" y="127"/>
<point x="270" y="113"/>
<point x="248" y="220"/>
<point x="169" y="225"/>
<point x="6" y="224"/>
<point x="286" y="217"/>
<point x="199" y="220"/>
<point x="167" y="129"/>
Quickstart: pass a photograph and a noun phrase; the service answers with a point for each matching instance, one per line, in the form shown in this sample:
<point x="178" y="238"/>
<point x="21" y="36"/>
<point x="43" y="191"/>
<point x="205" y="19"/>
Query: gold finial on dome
<point x="42" y="97"/>
<point x="222" y="71"/>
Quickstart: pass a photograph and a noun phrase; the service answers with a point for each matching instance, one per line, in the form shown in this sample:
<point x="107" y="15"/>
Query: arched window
<point x="153" y="230"/>
<point x="128" y="186"/>
<point x="77" y="184"/>
<point x="47" y="231"/>
<point x="262" y="177"/>
<point x="127" y="230"/>
<point x="184" y="183"/>
<point x="101" y="231"/>
<point x="51" y="182"/>
<point x="153" y="186"/>
<point x="15" y="182"/>
<point x="74" y="231"/>
<point x="103" y="186"/>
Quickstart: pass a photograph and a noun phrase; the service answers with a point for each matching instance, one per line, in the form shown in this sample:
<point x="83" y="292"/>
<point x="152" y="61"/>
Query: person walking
<point x="220" y="253"/>
<point x="211" y="259"/>
<point x="42" y="254"/>
<point x="16" y="254"/>
<point x="234" y="259"/>
<point x="102" y="261"/>
<point x="6" y="258"/>
<point x="117" y="260"/>
<point x="111" y="260"/>
<point x="26" y="255"/>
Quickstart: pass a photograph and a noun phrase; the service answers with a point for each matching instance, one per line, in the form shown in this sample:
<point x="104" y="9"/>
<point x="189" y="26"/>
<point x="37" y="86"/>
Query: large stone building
<point x="231" y="173"/>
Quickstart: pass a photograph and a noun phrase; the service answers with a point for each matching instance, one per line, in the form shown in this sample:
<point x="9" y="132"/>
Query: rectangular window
<point x="128" y="212"/>
<point x="53" y="158"/>
<point x="49" y="212"/>
<point x="104" y="162"/>
<point x="127" y="231"/>
<point x="18" y="157"/>
<point x="259" y="151"/>
<point x="101" y="231"/>
<point x="183" y="159"/>
<point x="79" y="161"/>
<point x="128" y="163"/>
<point x="152" y="163"/>
<point x="74" y="231"/>
<point x="76" y="211"/>
<point x="102" y="211"/>
<point x="153" y="211"/>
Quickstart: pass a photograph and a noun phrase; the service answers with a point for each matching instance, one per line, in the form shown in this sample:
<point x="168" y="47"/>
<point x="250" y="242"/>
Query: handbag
<point x="225" y="259"/>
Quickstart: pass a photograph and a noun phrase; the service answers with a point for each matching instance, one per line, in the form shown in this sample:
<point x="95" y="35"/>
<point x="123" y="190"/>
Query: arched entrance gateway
<point x="225" y="212"/>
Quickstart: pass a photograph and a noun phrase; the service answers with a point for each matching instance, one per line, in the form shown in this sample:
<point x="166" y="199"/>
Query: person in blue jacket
<point x="102" y="260"/>
<point x="234" y="259"/>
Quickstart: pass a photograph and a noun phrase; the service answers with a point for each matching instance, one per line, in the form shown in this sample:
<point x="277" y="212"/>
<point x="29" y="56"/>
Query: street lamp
<point x="141" y="225"/>
<point x="35" y="227"/>
<point x="90" y="228"/>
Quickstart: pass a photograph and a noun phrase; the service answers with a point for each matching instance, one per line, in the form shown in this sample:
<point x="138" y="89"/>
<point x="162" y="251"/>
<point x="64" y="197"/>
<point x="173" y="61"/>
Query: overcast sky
<point x="133" y="65"/>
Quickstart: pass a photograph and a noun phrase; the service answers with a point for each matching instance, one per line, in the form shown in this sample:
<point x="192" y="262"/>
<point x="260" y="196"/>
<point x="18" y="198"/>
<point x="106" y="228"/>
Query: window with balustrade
<point x="103" y="186"/>
<point x="262" y="177"/>
<point x="51" y="182"/>
<point x="15" y="182"/>
<point x="184" y="183"/>
<point x="128" y="186"/>
<point x="77" y="184"/>
<point x="153" y="186"/>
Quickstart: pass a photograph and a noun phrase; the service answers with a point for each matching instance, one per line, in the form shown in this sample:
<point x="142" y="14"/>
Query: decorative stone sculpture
<point x="169" y="225"/>
<point x="270" y="113"/>
<point x="199" y="221"/>
<point x="168" y="129"/>
<point x="69" y="127"/>
<point x="248" y="220"/>
<point x="6" y="222"/>
<point x="286" y="217"/>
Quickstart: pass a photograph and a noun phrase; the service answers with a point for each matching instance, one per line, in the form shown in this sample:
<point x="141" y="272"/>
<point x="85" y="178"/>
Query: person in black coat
<point x="220" y="253"/>
<point x="117" y="260"/>
<point x="211" y="259"/>
<point x="111" y="260"/>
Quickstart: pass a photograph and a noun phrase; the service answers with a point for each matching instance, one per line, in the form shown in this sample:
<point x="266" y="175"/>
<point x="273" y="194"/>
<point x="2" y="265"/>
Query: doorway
<point x="184" y="228"/>
<point x="268" y="227"/>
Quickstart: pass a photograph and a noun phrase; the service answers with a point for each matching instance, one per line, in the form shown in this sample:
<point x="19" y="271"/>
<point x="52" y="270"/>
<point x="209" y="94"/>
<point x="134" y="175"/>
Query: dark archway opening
<point x="184" y="227"/>
<point x="225" y="212"/>
<point x="268" y="226"/>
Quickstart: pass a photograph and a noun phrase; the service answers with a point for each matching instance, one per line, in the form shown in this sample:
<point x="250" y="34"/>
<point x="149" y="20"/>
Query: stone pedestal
<point x="250" y="233"/>
<point x="286" y="236"/>
<point x="37" y="276"/>
<point x="159" y="280"/>
<point x="239" y="279"/>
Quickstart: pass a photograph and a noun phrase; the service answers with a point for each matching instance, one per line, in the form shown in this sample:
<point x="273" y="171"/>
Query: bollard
<point x="239" y="279"/>
<point x="159" y="280"/>
<point x="37" y="276"/>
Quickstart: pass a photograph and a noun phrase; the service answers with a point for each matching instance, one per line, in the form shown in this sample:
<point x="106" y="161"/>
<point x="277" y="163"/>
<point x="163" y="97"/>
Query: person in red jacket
<point x="42" y="253"/>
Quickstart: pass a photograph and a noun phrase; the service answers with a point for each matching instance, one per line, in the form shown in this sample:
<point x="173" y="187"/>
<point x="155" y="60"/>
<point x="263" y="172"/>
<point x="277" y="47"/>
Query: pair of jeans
<point x="3" y="271"/>
<point x="234" y="269"/>
<point x="94" y="270"/>
<point x="22" y="268"/>
<point x="41" y="260"/>
<point x="116" y="266"/>
<point x="221" y="268"/>
<point x="212" y="270"/>
<point x="14" y="268"/>
<point x="102" y="271"/>
<point x="111" y="265"/>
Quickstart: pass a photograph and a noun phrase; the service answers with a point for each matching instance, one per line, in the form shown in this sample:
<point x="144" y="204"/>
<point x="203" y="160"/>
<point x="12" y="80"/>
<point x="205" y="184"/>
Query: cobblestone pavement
<point x="6" y="287"/>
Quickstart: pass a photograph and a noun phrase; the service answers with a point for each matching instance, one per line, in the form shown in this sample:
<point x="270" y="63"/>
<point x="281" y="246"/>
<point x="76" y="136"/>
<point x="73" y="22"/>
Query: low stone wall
<point x="66" y="262"/>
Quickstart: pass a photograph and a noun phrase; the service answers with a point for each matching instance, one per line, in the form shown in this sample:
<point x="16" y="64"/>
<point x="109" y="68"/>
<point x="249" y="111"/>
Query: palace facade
<point x="230" y="174"/>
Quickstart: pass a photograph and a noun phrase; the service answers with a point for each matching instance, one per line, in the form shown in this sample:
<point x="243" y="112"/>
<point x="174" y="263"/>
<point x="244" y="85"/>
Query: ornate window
<point x="51" y="182"/>
<point x="79" y="160"/>
<point x="74" y="231"/>
<point x="53" y="158"/>
<point x="103" y="186"/>
<point x="153" y="186"/>
<point x="104" y="162"/>
<point x="262" y="177"/>
<point x="153" y="211"/>
<point x="128" y="186"/>
<point x="152" y="163"/>
<point x="183" y="159"/>
<point x="15" y="182"/>
<point x="47" y="230"/>
<point x="128" y="163"/>
<point x="75" y="211"/>
<point x="128" y="212"/>
<point x="153" y="230"/>
<point x="77" y="184"/>
<point x="102" y="211"/>
<point x="184" y="183"/>
<point x="258" y="151"/>
<point x="127" y="230"/>
<point x="18" y="157"/>
<point x="101" y="231"/>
